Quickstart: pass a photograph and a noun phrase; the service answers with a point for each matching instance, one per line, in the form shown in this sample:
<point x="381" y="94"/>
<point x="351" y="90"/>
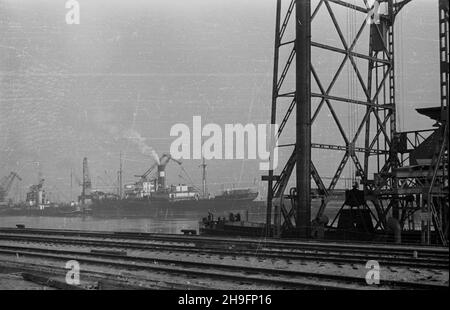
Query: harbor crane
<point x="6" y="184"/>
<point x="86" y="185"/>
<point x="163" y="161"/>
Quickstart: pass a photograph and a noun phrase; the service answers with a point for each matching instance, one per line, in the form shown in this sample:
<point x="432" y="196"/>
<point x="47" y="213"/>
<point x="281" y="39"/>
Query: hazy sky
<point x="140" y="66"/>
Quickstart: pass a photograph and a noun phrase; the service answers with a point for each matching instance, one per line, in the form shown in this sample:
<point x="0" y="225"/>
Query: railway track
<point x="279" y="278"/>
<point x="264" y="253"/>
<point x="436" y="258"/>
<point x="275" y="243"/>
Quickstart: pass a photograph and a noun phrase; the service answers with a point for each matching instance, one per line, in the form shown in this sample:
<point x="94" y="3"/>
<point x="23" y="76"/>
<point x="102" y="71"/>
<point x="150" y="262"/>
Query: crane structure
<point x="369" y="146"/>
<point x="36" y="197"/>
<point x="163" y="161"/>
<point x="161" y="168"/>
<point x="86" y="185"/>
<point x="6" y="184"/>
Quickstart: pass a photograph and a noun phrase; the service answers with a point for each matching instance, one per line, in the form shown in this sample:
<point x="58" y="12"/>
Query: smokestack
<point x="161" y="177"/>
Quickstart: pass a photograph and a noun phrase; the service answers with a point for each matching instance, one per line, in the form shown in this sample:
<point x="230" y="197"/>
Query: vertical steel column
<point x="393" y="156"/>
<point x="303" y="117"/>
<point x="444" y="90"/>
<point x="273" y="116"/>
<point x="444" y="62"/>
<point x="444" y="54"/>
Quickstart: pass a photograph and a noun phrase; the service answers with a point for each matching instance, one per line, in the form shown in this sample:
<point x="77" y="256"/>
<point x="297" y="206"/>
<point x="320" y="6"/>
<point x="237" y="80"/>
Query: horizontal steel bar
<point x="350" y="6"/>
<point x="286" y="43"/>
<point x="348" y="100"/>
<point x="417" y="131"/>
<point x="339" y="148"/>
<point x="286" y="145"/>
<point x="345" y="52"/>
<point x="290" y="94"/>
<point x="351" y="101"/>
<point x="346" y="148"/>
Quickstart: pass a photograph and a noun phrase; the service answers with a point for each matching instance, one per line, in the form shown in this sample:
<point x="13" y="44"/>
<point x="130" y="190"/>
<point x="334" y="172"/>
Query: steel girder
<point x="378" y="86"/>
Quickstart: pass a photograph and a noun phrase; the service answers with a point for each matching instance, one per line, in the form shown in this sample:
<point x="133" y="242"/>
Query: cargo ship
<point x="37" y="204"/>
<point x="151" y="196"/>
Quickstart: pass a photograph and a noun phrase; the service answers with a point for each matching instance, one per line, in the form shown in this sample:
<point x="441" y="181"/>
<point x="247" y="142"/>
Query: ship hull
<point x="50" y="211"/>
<point x="125" y="207"/>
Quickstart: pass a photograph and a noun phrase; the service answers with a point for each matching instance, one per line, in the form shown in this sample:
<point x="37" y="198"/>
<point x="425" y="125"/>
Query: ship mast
<point x="203" y="165"/>
<point x="71" y="184"/>
<point x="119" y="176"/>
<point x="86" y="185"/>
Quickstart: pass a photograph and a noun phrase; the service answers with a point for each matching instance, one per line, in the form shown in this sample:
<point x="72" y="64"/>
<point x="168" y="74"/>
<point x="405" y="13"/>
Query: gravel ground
<point x="137" y="278"/>
<point x="14" y="281"/>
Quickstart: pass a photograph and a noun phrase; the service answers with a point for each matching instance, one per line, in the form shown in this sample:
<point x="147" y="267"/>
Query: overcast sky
<point x="141" y="66"/>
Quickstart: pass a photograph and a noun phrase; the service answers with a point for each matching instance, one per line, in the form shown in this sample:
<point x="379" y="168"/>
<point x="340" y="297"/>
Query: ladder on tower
<point x="440" y="158"/>
<point x="438" y="163"/>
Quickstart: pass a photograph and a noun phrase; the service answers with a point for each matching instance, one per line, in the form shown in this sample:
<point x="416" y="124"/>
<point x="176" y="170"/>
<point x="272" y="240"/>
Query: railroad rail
<point x="205" y="270"/>
<point x="390" y="255"/>
<point x="236" y="240"/>
<point x="436" y="261"/>
<point x="171" y="256"/>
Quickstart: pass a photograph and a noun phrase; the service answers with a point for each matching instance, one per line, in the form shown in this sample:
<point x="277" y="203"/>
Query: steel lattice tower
<point x="375" y="157"/>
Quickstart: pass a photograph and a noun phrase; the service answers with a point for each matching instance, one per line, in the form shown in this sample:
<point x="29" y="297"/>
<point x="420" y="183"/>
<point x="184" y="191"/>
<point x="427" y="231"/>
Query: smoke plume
<point x="139" y="141"/>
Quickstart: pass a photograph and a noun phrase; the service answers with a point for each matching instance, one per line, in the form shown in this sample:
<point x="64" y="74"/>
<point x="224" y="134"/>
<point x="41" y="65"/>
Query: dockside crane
<point x="86" y="183"/>
<point x="161" y="168"/>
<point x="144" y="176"/>
<point x="163" y="161"/>
<point x="6" y="184"/>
